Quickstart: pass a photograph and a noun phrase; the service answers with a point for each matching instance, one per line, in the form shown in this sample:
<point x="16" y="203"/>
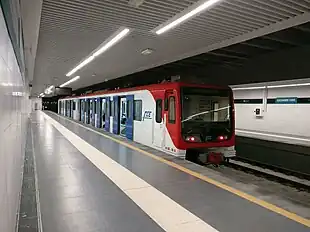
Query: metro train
<point x="185" y="120"/>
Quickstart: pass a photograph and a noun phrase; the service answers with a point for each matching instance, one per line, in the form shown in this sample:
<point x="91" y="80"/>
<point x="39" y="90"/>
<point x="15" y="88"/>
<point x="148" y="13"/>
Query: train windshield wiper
<point x="204" y="112"/>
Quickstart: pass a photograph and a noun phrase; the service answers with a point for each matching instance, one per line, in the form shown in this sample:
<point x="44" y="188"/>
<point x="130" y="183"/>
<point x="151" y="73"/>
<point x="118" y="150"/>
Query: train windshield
<point x="206" y="113"/>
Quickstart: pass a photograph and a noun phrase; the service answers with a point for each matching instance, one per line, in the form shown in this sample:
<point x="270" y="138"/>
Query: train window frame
<point x="159" y="111"/>
<point x="115" y="108"/>
<point x="95" y="106"/>
<point x="107" y="107"/>
<point x="129" y="108"/>
<point x="112" y="106"/>
<point x="137" y="104"/>
<point x="171" y="112"/>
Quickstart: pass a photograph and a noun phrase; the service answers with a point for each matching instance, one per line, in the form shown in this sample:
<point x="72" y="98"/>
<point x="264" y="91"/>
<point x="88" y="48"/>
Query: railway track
<point x="274" y="174"/>
<point x="296" y="180"/>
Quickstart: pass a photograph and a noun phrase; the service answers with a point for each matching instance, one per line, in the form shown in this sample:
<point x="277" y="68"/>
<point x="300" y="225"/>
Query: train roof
<point x="165" y="85"/>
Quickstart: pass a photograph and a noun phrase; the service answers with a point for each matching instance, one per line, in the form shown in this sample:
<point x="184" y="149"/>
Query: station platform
<point x="90" y="181"/>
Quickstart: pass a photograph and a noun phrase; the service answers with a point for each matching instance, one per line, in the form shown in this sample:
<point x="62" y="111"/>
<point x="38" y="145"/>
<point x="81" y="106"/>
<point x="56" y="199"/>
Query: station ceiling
<point x="228" y="34"/>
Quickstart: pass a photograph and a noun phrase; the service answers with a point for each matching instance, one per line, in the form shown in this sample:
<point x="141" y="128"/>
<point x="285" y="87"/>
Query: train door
<point x="103" y="112"/>
<point x="68" y="108"/>
<point x="91" y="112"/>
<point x="98" y="113"/>
<point x="129" y="119"/>
<point x="107" y="114"/>
<point x="123" y="116"/>
<point x="82" y="110"/>
<point x="71" y="108"/>
<point x="170" y="119"/>
<point x="87" y="111"/>
<point x="59" y="107"/>
<point x="93" y="109"/>
<point x="79" y="109"/>
<point x="64" y="108"/>
<point x="116" y="115"/>
<point x="159" y="129"/>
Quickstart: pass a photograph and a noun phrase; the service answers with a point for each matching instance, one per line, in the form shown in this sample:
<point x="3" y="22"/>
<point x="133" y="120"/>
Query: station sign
<point x="286" y="100"/>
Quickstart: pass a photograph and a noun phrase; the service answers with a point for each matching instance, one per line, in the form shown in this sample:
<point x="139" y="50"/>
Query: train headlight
<point x="192" y="138"/>
<point x="222" y="137"/>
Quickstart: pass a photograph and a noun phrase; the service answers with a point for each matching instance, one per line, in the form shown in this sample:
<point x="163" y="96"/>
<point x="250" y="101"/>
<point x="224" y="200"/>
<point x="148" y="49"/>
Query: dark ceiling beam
<point x="210" y="59"/>
<point x="232" y="50"/>
<point x="220" y="62"/>
<point x="258" y="46"/>
<point x="281" y="40"/>
<point x="303" y="28"/>
<point x="226" y="55"/>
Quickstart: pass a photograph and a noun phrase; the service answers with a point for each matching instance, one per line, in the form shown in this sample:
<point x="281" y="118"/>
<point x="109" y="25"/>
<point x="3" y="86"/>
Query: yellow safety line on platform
<point x="237" y="192"/>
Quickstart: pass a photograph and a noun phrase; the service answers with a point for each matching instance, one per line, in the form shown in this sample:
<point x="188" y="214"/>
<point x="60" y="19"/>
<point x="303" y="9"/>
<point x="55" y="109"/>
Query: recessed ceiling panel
<point x="71" y="29"/>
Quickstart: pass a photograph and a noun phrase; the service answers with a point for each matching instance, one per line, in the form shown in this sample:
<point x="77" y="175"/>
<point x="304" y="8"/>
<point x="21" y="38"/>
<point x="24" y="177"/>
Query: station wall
<point x="15" y="108"/>
<point x="288" y="123"/>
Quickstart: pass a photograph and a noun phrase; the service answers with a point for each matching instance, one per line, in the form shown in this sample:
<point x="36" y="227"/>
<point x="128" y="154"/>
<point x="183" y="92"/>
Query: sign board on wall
<point x="286" y="100"/>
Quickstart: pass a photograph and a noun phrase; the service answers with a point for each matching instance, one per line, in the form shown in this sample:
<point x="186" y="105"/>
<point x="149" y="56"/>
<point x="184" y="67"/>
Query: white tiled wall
<point x="281" y="120"/>
<point x="13" y="116"/>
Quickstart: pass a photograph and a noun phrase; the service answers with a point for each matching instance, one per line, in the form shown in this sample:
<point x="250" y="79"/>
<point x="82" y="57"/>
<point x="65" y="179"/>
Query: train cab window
<point x="171" y="113"/>
<point x="138" y="110"/>
<point x="159" y="109"/>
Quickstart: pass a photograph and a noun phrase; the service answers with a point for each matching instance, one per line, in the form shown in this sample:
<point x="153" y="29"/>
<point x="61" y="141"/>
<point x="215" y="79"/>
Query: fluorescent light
<point x="113" y="41"/>
<point x="271" y="86"/>
<point x="249" y="88"/>
<point x="102" y="48"/>
<point x="7" y="84"/>
<point x="147" y="51"/>
<point x="288" y="85"/>
<point x="81" y="65"/>
<point x="49" y="90"/>
<point x="201" y="7"/>
<point x="69" y="81"/>
<point x="135" y="3"/>
<point x="18" y="94"/>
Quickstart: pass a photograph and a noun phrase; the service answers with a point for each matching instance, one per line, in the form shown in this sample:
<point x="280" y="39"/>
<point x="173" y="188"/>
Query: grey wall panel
<point x="14" y="108"/>
<point x="293" y="158"/>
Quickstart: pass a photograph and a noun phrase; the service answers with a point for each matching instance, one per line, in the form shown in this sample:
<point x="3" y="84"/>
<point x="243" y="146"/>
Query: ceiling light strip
<point x="111" y="41"/>
<point x="271" y="86"/>
<point x="185" y="15"/>
<point x="69" y="81"/>
<point x="49" y="89"/>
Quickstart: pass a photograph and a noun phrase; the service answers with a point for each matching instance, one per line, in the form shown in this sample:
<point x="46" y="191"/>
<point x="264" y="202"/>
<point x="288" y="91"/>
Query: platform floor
<point x="89" y="182"/>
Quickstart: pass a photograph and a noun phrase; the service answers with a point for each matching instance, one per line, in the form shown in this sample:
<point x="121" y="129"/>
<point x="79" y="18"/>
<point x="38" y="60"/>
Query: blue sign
<point x="287" y="100"/>
<point x="147" y="115"/>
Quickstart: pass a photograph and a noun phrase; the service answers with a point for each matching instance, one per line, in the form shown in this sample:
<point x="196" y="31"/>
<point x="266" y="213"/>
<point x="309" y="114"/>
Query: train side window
<point x="112" y="108"/>
<point x="115" y="108"/>
<point x="74" y="105"/>
<point x="159" y="109"/>
<point x="129" y="109"/>
<point x="137" y="110"/>
<point x="171" y="113"/>
<point x="107" y="105"/>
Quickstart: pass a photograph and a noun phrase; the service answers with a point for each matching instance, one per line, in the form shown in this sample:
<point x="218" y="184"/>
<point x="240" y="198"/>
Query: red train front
<point x="199" y="120"/>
